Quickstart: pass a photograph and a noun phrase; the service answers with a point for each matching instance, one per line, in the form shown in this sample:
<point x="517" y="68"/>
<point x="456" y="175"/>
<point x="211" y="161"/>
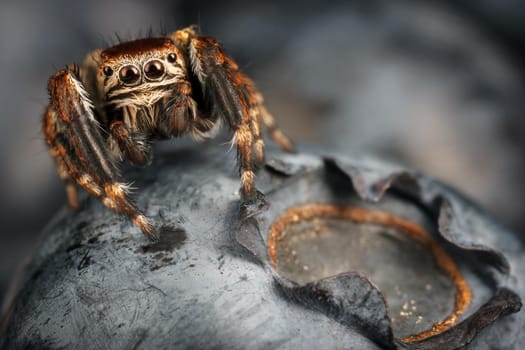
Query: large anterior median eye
<point x="154" y="69"/>
<point x="129" y="74"/>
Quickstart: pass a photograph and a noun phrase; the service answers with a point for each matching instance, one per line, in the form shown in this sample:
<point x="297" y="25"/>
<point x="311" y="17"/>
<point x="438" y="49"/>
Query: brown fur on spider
<point x="123" y="97"/>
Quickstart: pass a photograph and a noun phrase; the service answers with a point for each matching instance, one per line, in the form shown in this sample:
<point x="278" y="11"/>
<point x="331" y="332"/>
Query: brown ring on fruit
<point x="361" y="215"/>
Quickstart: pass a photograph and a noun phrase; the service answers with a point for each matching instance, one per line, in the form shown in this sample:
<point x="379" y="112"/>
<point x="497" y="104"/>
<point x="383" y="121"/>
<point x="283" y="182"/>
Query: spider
<point x="125" y="96"/>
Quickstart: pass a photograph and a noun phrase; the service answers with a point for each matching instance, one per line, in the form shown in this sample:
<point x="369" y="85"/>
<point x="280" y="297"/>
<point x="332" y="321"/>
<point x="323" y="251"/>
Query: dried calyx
<point x="383" y="250"/>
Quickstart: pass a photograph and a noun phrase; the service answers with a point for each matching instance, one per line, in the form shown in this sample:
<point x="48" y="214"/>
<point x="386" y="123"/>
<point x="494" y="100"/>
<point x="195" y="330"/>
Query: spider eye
<point x="129" y="74"/>
<point x="107" y="71"/>
<point x="172" y="58"/>
<point x="154" y="69"/>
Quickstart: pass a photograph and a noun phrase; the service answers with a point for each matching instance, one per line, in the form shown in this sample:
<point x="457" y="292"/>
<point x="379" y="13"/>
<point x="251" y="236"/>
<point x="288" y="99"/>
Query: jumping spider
<point x="150" y="89"/>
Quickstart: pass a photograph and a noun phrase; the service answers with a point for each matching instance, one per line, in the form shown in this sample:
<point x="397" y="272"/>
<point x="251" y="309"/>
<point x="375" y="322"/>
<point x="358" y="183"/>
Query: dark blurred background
<point x="436" y="85"/>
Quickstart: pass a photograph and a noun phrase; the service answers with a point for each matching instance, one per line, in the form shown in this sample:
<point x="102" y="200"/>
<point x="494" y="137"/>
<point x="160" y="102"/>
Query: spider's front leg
<point x="221" y="83"/>
<point x="234" y="98"/>
<point x="75" y="140"/>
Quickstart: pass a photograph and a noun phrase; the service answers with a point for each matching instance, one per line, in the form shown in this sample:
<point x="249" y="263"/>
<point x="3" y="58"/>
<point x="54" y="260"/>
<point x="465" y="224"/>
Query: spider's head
<point x="139" y="72"/>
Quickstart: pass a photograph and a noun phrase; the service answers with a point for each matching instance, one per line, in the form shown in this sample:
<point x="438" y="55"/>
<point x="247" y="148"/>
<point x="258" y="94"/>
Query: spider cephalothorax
<point x="155" y="88"/>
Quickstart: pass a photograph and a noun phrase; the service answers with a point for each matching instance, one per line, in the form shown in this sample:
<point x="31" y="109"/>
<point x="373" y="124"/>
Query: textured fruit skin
<point x="94" y="282"/>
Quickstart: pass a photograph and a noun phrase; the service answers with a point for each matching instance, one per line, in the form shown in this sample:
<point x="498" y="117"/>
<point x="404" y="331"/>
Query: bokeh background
<point x="436" y="85"/>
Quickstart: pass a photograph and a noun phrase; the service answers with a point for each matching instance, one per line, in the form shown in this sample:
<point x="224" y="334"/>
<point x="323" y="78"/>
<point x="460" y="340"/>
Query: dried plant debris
<point x="431" y="256"/>
<point x="333" y="253"/>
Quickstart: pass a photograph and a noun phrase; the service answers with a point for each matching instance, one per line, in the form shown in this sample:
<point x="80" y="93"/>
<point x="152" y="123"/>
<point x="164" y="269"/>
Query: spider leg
<point x="71" y="191"/>
<point x="52" y="134"/>
<point x="233" y="96"/>
<point x="75" y="140"/>
<point x="67" y="162"/>
<point x="223" y="88"/>
<point x="254" y="111"/>
<point x="275" y="133"/>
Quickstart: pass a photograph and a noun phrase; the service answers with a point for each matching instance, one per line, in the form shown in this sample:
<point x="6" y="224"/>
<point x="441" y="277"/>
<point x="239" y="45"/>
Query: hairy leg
<point x="223" y="92"/>
<point x="275" y="133"/>
<point x="67" y="162"/>
<point x="85" y="155"/>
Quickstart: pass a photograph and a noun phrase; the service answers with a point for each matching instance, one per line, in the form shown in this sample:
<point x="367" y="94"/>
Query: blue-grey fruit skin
<point x="95" y="282"/>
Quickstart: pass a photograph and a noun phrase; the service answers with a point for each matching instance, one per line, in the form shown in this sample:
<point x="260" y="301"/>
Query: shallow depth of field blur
<point x="435" y="85"/>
